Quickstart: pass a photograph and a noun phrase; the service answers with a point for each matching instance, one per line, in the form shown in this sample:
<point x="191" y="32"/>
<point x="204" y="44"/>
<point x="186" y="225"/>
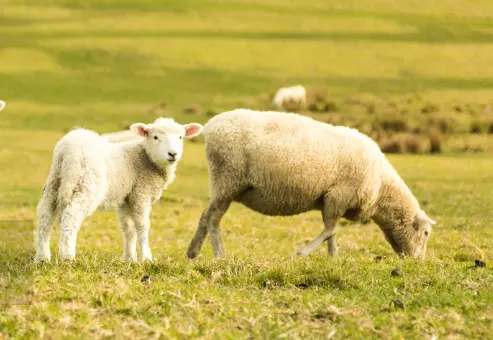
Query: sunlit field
<point x="107" y="64"/>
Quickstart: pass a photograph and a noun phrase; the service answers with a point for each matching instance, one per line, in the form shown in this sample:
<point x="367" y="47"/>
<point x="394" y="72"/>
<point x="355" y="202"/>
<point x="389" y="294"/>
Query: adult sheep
<point x="285" y="95"/>
<point x="90" y="172"/>
<point x="2" y="105"/>
<point x="286" y="164"/>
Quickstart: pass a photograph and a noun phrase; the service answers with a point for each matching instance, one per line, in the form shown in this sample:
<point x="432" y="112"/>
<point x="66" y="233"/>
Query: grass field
<point x="106" y="64"/>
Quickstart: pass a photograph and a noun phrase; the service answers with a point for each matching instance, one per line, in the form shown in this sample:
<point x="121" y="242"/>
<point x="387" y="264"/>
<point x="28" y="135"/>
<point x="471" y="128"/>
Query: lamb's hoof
<point x="129" y="259"/>
<point x="39" y="260"/>
<point x="66" y="257"/>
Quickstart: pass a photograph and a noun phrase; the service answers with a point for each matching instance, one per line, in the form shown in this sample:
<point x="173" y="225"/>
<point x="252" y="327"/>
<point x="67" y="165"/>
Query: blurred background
<point x="393" y="69"/>
<point x="416" y="76"/>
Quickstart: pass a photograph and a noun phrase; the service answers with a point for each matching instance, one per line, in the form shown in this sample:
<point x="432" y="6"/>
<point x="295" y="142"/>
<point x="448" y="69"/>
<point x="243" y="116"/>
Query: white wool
<point x="121" y="136"/>
<point x="89" y="172"/>
<point x="294" y="94"/>
<point x="285" y="164"/>
<point x="2" y="105"/>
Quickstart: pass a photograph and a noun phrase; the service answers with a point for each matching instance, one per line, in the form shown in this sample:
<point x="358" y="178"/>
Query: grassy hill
<point x="106" y="64"/>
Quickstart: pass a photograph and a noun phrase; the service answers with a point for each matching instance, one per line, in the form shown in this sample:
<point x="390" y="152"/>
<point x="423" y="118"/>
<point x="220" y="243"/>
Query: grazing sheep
<point x="285" y="95"/>
<point x="2" y="105"/>
<point x="286" y="164"/>
<point x="89" y="172"/>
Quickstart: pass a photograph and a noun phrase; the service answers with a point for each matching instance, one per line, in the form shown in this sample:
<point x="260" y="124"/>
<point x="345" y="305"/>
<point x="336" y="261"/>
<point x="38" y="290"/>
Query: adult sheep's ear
<point x="2" y="105"/>
<point x="192" y="129"/>
<point x="421" y="218"/>
<point x="140" y="129"/>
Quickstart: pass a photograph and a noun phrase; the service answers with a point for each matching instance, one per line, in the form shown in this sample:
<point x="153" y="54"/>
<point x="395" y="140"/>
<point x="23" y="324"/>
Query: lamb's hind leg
<point x="46" y="214"/>
<point x="71" y="219"/>
<point x="209" y="223"/>
<point x="330" y="215"/>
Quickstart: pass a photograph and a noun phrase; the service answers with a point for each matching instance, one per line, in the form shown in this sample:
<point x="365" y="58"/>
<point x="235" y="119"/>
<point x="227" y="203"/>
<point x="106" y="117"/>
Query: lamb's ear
<point x="140" y="129"/>
<point x="192" y="129"/>
<point x="2" y="105"/>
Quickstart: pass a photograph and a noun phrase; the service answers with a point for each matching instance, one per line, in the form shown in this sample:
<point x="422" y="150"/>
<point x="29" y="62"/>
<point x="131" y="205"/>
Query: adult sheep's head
<point x="164" y="139"/>
<point x="411" y="238"/>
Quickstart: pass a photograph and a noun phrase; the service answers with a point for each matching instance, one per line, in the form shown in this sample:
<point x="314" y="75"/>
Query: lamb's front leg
<point x="129" y="234"/>
<point x="142" y="225"/>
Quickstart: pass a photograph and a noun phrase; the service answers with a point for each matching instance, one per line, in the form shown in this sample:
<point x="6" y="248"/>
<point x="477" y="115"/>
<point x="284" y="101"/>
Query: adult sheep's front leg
<point x="330" y="215"/>
<point x="142" y="225"/>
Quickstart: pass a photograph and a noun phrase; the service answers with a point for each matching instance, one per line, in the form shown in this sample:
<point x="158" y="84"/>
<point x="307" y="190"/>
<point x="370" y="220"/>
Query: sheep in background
<point x="2" y="105"/>
<point x="89" y="172"/>
<point x="286" y="164"/>
<point x="289" y="95"/>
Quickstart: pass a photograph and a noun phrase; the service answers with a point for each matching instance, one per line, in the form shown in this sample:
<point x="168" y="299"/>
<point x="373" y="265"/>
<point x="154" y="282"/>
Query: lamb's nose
<point x="172" y="154"/>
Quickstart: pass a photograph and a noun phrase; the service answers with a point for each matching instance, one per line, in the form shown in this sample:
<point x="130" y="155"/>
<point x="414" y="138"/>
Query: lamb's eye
<point x="181" y="137"/>
<point x="155" y="137"/>
<point x="426" y="233"/>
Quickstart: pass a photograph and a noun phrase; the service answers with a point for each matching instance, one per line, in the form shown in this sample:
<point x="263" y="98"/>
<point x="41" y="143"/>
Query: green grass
<point x="106" y="64"/>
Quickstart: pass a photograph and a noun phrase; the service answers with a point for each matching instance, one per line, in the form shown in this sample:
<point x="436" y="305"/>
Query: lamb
<point x="89" y="172"/>
<point x="2" y="105"/>
<point x="293" y="94"/>
<point x="285" y="164"/>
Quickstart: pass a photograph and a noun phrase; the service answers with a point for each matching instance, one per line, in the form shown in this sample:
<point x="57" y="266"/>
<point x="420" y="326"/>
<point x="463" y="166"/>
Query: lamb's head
<point x="2" y="105"/>
<point x="164" y="138"/>
<point x="411" y="238"/>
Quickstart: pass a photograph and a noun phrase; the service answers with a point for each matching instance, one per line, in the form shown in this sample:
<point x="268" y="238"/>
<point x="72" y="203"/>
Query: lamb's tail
<point x="72" y="166"/>
<point x="48" y="203"/>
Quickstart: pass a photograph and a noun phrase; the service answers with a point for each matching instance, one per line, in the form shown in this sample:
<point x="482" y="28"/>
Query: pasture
<point x="107" y="64"/>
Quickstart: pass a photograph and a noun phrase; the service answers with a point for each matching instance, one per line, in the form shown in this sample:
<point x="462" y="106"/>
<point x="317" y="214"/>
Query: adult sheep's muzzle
<point x="414" y="247"/>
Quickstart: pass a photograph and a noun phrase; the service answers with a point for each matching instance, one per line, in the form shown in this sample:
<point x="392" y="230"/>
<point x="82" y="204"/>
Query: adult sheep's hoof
<point x="301" y="252"/>
<point x="191" y="254"/>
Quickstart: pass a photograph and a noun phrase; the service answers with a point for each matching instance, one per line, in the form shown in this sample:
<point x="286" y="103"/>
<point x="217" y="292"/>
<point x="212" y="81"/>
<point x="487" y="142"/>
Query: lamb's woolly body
<point x="2" y="105"/>
<point x="86" y="163"/>
<point x="284" y="164"/>
<point x="121" y="136"/>
<point x="89" y="172"/>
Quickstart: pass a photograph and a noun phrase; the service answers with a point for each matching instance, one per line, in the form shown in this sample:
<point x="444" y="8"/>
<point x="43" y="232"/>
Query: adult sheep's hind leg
<point x="209" y="223"/>
<point x="217" y="211"/>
